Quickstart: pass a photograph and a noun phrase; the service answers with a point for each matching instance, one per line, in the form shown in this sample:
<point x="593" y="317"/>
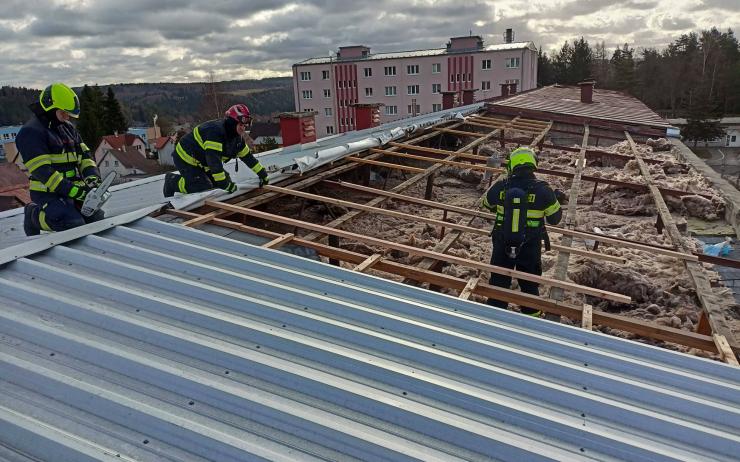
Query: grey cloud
<point x="730" y="5"/>
<point x="677" y="23"/>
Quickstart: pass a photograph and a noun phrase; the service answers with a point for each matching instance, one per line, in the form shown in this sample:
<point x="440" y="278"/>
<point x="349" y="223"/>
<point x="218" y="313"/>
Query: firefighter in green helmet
<point x="522" y="204"/>
<point x="60" y="164"/>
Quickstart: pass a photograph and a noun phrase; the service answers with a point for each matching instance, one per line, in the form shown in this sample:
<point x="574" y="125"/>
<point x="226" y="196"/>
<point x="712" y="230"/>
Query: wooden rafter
<point x="422" y="252"/>
<point x="637" y="326"/>
<point x="709" y="300"/>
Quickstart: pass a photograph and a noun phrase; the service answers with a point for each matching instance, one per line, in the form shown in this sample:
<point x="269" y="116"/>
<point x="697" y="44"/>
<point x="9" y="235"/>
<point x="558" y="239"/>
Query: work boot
<point x="30" y="226"/>
<point x="170" y="184"/>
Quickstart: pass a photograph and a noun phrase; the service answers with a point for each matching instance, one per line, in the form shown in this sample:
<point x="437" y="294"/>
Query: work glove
<point x="78" y="192"/>
<point x="226" y="184"/>
<point x="93" y="181"/>
<point x="263" y="178"/>
<point x="230" y="188"/>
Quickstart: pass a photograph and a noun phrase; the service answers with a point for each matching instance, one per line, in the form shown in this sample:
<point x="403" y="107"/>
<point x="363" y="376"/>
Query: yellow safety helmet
<point x="521" y="156"/>
<point x="59" y="96"/>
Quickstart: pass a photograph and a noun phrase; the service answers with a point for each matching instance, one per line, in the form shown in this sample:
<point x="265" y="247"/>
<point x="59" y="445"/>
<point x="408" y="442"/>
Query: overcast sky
<point x="113" y="41"/>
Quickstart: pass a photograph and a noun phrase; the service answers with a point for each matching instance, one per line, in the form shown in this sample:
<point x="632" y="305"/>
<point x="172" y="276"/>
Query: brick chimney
<point x="587" y="91"/>
<point x="468" y="96"/>
<point x="504" y="89"/>
<point x="297" y="127"/>
<point x="448" y="99"/>
<point x="367" y="115"/>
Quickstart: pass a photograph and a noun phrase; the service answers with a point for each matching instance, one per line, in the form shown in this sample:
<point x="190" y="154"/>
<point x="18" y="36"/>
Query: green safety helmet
<point x="59" y="96"/>
<point x="523" y="156"/>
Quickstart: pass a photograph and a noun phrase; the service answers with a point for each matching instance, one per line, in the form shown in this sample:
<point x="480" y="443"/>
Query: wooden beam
<point x="711" y="302"/>
<point x="438" y="161"/>
<point x="406" y="184"/>
<point x="368" y="263"/>
<point x="405" y="168"/>
<point x="725" y="352"/>
<point x="431" y="221"/>
<point x="541" y="136"/>
<point x="561" y="266"/>
<point x="469" y="288"/>
<point x="637" y="326"/>
<point x="200" y="220"/>
<point x="461" y="132"/>
<point x="587" y="317"/>
<point x="279" y="241"/>
<point x="425" y="253"/>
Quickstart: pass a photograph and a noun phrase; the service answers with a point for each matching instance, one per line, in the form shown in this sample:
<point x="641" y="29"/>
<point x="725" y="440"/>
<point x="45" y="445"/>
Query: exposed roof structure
<point x="134" y="338"/>
<point x="421" y="53"/>
<point x="165" y="343"/>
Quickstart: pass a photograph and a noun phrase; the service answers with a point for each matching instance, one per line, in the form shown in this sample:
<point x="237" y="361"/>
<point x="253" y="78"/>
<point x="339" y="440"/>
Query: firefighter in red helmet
<point x="200" y="155"/>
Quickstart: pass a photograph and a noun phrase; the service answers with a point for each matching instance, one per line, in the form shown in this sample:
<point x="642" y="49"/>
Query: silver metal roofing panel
<point x="157" y="342"/>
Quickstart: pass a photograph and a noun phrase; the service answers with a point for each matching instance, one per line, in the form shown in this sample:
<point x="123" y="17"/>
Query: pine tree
<point x="545" y="71"/>
<point x="113" y="118"/>
<point x="90" y="123"/>
<point x="623" y="66"/>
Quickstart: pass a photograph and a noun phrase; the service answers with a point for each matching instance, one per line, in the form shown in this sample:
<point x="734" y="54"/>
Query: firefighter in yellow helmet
<point x="522" y="204"/>
<point x="59" y="163"/>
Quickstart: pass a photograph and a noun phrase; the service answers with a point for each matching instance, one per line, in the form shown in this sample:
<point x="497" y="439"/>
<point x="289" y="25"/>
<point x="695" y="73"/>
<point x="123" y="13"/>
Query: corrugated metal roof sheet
<point x="418" y="53"/>
<point x="607" y="105"/>
<point x="156" y="342"/>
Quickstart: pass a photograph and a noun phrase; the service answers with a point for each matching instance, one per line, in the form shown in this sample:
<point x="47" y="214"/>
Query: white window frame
<point x="327" y="93"/>
<point x="307" y="94"/>
<point x="436" y="68"/>
<point x="391" y="110"/>
<point x="436" y="88"/>
<point x="410" y="109"/>
<point x="328" y="112"/>
<point x="305" y="76"/>
<point x="486" y="64"/>
<point x="391" y="91"/>
<point x="510" y="63"/>
<point x="368" y="72"/>
<point x="412" y="69"/>
<point x="485" y="85"/>
<point x="325" y="75"/>
<point x="389" y="71"/>
<point x="436" y="107"/>
<point x="330" y="129"/>
<point x="412" y="90"/>
<point x="368" y="92"/>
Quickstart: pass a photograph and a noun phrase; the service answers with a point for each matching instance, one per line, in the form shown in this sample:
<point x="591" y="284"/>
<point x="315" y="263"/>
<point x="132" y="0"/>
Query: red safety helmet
<point x="240" y="113"/>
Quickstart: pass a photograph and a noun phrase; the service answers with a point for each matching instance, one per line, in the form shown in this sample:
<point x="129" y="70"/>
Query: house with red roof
<point x="127" y="163"/>
<point x="163" y="147"/>
<point x="119" y="142"/>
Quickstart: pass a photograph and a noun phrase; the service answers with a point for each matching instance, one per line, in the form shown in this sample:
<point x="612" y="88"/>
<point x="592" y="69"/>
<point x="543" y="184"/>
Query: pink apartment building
<point x="407" y="83"/>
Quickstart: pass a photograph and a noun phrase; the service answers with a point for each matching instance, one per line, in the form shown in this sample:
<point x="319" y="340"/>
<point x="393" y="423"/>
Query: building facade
<point x="407" y="83"/>
<point x="731" y="126"/>
<point x="7" y="142"/>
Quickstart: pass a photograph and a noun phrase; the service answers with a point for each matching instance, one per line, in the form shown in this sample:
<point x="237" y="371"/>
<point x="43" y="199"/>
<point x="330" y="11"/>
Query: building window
<point x="307" y="94"/>
<point x="390" y="70"/>
<point x="470" y="77"/>
<point x="452" y="78"/>
<point x="436" y="68"/>
<point x="330" y="129"/>
<point x="733" y="139"/>
<point x="486" y="65"/>
<point x="327" y="93"/>
<point x="414" y="109"/>
<point x="465" y="77"/>
<point x="458" y="77"/>
<point x="390" y="91"/>
<point x="514" y="81"/>
<point x="436" y="88"/>
<point x="436" y="107"/>
<point x="485" y="85"/>
<point x="107" y="163"/>
<point x="369" y="72"/>
<point x="305" y="76"/>
<point x="512" y="63"/>
<point x="412" y="69"/>
<point x="324" y="75"/>
<point x="327" y="112"/>
<point x="368" y="92"/>
<point x="391" y="110"/>
<point x="6" y="136"/>
<point x="413" y="89"/>
<point x="115" y="163"/>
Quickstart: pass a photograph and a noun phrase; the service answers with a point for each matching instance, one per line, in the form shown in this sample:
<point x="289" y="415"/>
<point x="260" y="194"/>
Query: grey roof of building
<point x="420" y="53"/>
<point x="151" y="341"/>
